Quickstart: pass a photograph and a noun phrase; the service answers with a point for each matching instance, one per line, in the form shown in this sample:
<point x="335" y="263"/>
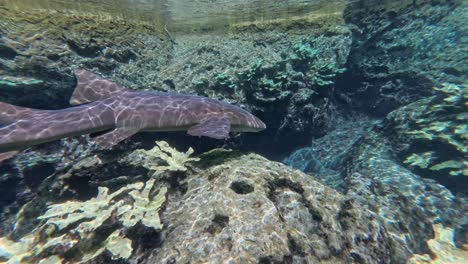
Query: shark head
<point x="251" y="124"/>
<point x="242" y="120"/>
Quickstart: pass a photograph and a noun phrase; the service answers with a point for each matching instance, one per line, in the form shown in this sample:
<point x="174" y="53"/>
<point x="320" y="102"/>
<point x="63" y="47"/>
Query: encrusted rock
<point x="252" y="210"/>
<point x="405" y="203"/>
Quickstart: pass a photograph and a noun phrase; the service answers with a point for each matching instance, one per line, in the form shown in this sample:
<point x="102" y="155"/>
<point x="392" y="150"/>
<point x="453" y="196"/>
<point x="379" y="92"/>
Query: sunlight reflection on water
<point x="180" y="15"/>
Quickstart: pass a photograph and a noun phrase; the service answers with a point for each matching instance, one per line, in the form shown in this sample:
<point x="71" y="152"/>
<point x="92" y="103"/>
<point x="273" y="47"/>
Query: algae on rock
<point x="443" y="249"/>
<point x="433" y="133"/>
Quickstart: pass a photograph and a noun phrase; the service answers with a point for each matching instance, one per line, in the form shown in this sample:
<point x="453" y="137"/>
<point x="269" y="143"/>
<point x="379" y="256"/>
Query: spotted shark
<point x="103" y="106"/>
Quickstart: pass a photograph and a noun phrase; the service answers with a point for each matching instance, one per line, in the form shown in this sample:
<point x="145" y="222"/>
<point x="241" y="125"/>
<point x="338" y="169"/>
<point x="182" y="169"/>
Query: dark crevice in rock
<point x="8" y="186"/>
<point x="218" y="223"/>
<point x="271" y="260"/>
<point x="294" y="247"/>
<point x="145" y="238"/>
<point x="286" y="183"/>
<point x="176" y="181"/>
<point x="33" y="176"/>
<point x="7" y="53"/>
<point x="315" y="215"/>
<point x="241" y="187"/>
<point x="78" y="189"/>
<point x="89" y="50"/>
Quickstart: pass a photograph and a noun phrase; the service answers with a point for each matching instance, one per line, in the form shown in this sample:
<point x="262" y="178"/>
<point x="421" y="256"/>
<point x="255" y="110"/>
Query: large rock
<point x="247" y="209"/>
<point x="406" y="203"/>
<point x="252" y="210"/>
<point x="365" y="163"/>
<point x="241" y="208"/>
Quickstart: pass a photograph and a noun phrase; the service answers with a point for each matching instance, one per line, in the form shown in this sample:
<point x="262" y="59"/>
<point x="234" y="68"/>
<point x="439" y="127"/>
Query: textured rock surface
<point x="406" y="203"/>
<point x="400" y="49"/>
<point x="242" y="208"/>
<point x="430" y="136"/>
<point x="326" y="156"/>
<point x="40" y="44"/>
<point x="367" y="170"/>
<point x="251" y="210"/>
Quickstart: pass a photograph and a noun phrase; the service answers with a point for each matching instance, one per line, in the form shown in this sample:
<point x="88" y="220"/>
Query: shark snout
<point x="259" y="125"/>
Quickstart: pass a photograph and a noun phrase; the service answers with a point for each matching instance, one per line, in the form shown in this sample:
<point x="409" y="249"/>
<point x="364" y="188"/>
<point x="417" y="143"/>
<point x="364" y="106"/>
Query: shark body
<point x="104" y="105"/>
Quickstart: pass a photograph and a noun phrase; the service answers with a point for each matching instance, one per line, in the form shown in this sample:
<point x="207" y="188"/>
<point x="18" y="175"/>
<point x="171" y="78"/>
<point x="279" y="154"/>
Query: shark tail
<point x="9" y="113"/>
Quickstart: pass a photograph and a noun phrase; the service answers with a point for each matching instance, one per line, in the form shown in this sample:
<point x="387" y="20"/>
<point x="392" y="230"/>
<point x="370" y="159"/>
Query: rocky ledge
<point x="222" y="206"/>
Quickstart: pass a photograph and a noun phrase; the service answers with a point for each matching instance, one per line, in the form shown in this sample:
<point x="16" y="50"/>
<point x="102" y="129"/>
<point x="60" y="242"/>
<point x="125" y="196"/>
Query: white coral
<point x="174" y="159"/>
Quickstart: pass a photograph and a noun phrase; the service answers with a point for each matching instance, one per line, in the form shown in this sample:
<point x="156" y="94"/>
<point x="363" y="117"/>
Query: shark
<point x="100" y="105"/>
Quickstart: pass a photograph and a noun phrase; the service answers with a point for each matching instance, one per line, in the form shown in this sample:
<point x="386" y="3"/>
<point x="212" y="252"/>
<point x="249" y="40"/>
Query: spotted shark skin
<point x="104" y="105"/>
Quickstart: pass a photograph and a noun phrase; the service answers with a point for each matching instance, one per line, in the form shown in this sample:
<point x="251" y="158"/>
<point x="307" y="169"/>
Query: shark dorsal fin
<point x="92" y="87"/>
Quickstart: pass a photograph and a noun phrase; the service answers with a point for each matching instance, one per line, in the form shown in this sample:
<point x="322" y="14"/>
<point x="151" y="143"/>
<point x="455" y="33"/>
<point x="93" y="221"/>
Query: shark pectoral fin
<point x="115" y="136"/>
<point x="215" y="127"/>
<point x="8" y="155"/>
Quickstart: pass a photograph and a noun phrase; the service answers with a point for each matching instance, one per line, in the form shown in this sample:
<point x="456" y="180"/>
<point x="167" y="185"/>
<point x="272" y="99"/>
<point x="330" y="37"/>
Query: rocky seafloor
<point x="364" y="159"/>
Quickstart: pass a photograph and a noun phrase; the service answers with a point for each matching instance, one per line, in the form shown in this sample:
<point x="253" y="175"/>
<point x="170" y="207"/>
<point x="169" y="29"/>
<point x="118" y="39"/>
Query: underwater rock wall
<point x="303" y="80"/>
<point x="430" y="136"/>
<point x="401" y="49"/>
<point x="406" y="203"/>
<point x="251" y="210"/>
<point x="43" y="46"/>
<point x="359" y="159"/>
